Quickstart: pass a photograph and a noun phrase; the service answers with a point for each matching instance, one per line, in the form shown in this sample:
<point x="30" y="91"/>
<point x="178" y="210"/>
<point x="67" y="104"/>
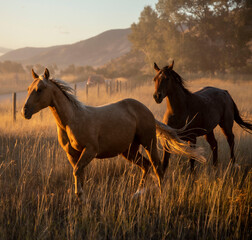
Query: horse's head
<point x="162" y="82"/>
<point x="39" y="95"/>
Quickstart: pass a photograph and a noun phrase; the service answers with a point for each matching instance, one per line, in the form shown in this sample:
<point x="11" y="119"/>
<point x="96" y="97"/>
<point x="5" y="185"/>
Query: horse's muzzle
<point x="158" y="97"/>
<point x="26" y="112"/>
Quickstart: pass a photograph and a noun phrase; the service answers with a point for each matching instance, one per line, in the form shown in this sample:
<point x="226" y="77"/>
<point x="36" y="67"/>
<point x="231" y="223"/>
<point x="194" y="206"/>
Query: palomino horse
<point x="86" y="132"/>
<point x="204" y="110"/>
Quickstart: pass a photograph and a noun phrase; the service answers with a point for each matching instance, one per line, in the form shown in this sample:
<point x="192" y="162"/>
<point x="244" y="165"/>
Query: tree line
<point x="201" y="35"/>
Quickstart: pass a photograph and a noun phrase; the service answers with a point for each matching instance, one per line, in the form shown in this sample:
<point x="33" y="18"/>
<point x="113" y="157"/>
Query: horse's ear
<point x="156" y="67"/>
<point x="46" y="74"/>
<point x="171" y="66"/>
<point x="35" y="75"/>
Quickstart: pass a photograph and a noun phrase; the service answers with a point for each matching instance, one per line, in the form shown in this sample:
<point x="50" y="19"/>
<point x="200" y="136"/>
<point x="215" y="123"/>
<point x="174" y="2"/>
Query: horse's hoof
<point x="80" y="197"/>
<point x="235" y="165"/>
<point x="138" y="193"/>
<point x="193" y="172"/>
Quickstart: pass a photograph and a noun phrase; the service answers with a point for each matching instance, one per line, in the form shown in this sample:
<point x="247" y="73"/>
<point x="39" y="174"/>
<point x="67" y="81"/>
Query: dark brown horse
<point x="204" y="110"/>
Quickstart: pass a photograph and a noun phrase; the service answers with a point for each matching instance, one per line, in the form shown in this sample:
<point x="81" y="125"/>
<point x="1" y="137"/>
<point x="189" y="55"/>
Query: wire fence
<point x="110" y="88"/>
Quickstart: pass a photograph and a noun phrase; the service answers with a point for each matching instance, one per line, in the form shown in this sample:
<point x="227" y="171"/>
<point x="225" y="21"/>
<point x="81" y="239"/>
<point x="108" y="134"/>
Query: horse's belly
<point x="115" y="144"/>
<point x="107" y="155"/>
<point x="112" y="151"/>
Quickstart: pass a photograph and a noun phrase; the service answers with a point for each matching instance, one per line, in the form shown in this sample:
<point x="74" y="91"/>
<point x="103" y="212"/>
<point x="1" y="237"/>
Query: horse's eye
<point x="39" y="90"/>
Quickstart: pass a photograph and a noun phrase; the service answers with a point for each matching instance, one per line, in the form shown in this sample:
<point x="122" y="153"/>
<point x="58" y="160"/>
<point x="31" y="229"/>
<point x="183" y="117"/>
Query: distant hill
<point x="4" y="50"/>
<point x="94" y="51"/>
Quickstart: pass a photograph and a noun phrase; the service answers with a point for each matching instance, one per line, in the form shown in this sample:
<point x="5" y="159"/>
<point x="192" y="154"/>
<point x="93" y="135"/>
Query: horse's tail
<point x="246" y="125"/>
<point x="174" y="144"/>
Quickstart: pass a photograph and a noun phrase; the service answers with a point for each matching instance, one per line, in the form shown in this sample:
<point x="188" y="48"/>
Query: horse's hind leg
<point x="154" y="159"/>
<point x="213" y="144"/>
<point x="192" y="143"/>
<point x="230" y="138"/>
<point x="133" y="155"/>
<point x="166" y="158"/>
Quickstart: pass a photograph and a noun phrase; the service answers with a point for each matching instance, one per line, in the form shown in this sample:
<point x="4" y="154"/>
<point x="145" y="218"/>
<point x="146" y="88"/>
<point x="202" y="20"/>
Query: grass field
<point x="37" y="198"/>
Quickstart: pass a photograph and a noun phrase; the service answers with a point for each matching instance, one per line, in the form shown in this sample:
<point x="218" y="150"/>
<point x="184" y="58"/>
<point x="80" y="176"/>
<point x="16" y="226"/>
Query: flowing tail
<point x="247" y="126"/>
<point x="174" y="144"/>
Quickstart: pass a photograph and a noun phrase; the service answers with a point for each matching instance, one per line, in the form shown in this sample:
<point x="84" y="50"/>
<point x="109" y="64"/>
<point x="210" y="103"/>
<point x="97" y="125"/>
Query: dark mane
<point x="177" y="78"/>
<point x="68" y="92"/>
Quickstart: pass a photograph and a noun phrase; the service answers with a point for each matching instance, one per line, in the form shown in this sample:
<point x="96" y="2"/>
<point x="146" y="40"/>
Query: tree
<point x="201" y="35"/>
<point x="145" y="35"/>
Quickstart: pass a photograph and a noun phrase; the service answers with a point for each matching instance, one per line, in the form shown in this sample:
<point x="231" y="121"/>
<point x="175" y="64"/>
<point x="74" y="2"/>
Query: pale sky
<point x="44" y="23"/>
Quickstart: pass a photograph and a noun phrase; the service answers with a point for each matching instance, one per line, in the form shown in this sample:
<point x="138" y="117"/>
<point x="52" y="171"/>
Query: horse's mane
<point x="68" y="92"/>
<point x="178" y="79"/>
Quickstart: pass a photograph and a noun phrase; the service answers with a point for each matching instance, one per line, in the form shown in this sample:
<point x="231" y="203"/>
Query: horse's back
<point x="210" y="91"/>
<point x="141" y="113"/>
<point x="212" y="95"/>
<point x="216" y="104"/>
<point x="126" y="109"/>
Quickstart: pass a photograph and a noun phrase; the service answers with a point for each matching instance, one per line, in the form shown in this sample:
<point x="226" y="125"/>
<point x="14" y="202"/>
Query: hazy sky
<point x="46" y="23"/>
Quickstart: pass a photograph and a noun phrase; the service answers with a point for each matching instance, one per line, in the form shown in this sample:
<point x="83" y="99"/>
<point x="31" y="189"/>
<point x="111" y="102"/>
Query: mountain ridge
<point x="94" y="51"/>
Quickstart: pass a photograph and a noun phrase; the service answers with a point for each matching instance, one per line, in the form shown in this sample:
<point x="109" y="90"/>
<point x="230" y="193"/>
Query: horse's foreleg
<point x="72" y="154"/>
<point x="85" y="158"/>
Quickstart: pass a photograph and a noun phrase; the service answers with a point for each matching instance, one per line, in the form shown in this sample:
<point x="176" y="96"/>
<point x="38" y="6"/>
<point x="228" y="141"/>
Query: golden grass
<point x="37" y="198"/>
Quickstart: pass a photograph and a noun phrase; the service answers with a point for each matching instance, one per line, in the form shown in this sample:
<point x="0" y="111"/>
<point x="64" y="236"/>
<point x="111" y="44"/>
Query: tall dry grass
<point x="37" y="199"/>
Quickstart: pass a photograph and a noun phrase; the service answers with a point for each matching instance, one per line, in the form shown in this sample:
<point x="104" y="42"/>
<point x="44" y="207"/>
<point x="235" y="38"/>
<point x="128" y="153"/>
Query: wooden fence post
<point x="110" y="88"/>
<point x="98" y="89"/>
<point x="117" y="83"/>
<point x="75" y="89"/>
<point x="86" y="91"/>
<point x="107" y="87"/>
<point x="14" y="106"/>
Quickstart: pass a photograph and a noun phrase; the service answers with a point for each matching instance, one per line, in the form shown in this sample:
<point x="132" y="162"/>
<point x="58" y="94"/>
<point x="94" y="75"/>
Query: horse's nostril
<point x="156" y="95"/>
<point x="26" y="112"/>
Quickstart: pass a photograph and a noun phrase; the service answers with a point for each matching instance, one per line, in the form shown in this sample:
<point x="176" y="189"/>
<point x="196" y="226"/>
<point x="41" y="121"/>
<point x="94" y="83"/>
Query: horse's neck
<point x="177" y="102"/>
<point x="62" y="109"/>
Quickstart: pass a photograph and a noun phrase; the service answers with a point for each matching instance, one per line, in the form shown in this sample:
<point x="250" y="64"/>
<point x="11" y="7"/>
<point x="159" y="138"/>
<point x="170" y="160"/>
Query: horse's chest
<point x="174" y="120"/>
